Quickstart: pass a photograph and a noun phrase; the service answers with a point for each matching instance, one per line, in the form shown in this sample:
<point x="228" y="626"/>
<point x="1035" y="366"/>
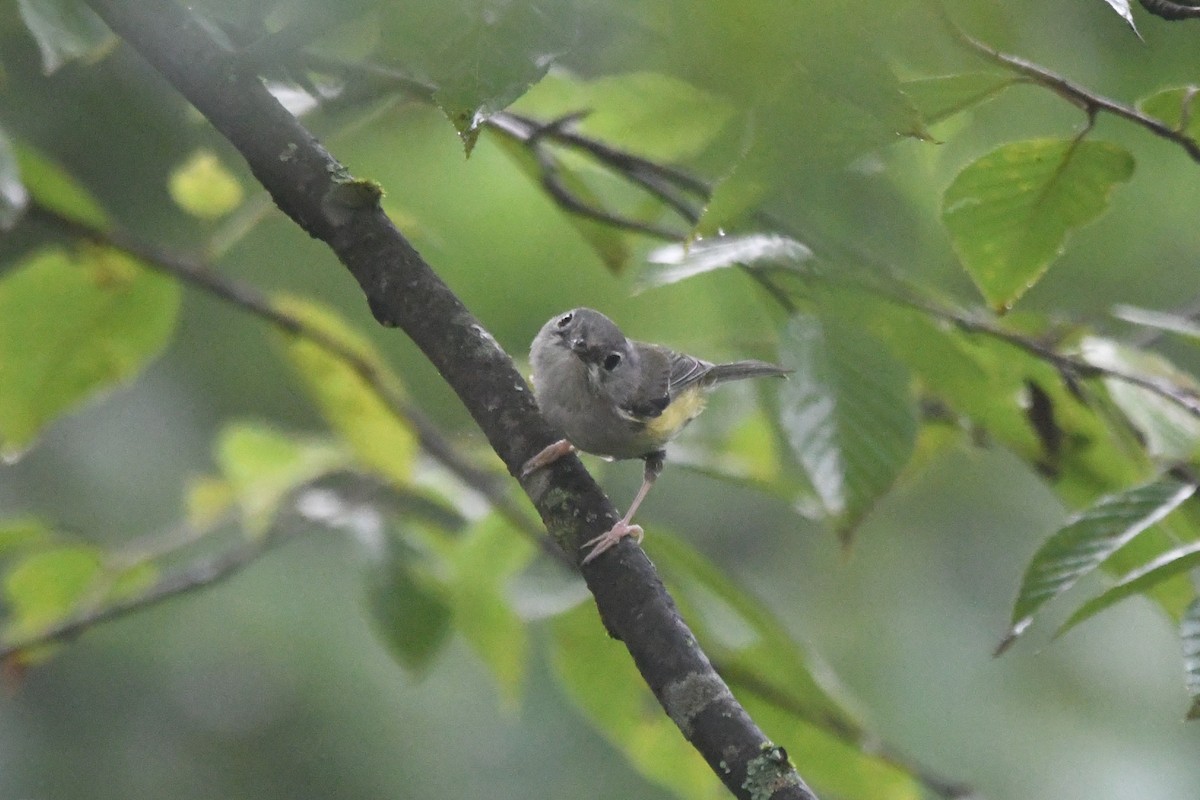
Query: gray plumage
<point x="603" y="390"/>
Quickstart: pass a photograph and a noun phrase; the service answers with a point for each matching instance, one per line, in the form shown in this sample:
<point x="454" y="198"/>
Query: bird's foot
<point x="609" y="539"/>
<point x="547" y="456"/>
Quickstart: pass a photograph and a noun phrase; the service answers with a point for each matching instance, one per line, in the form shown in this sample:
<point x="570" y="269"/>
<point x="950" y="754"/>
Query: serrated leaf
<point x="1009" y="213"/>
<point x="352" y="406"/>
<point x="1001" y="394"/>
<point x="601" y="680"/>
<point x="65" y="30"/>
<point x="1087" y="540"/>
<point x="848" y="413"/>
<point x="263" y="466"/>
<point x="13" y="194"/>
<point x="1175" y="561"/>
<point x="53" y="188"/>
<point x="676" y="262"/>
<point x="407" y="608"/>
<point x="654" y="115"/>
<point x="946" y="95"/>
<point x="202" y="186"/>
<point x="1189" y="639"/>
<point x="1170" y="430"/>
<point x="480" y="566"/>
<point x="1176" y="107"/>
<point x="479" y="55"/>
<point x="71" y="327"/>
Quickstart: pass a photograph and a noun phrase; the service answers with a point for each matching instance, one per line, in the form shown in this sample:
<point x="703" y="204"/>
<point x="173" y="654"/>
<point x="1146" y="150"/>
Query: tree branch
<point x="249" y="298"/>
<point x="1167" y="9"/>
<point x="1075" y="94"/>
<point x="402" y="291"/>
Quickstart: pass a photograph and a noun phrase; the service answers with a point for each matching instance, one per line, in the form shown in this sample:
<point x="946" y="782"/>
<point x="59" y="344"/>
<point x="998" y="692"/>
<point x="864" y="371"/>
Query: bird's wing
<point x="685" y="371"/>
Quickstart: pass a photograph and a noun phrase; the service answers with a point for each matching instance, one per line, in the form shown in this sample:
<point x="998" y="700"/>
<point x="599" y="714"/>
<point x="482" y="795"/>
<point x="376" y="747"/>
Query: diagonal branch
<point x="1089" y="101"/>
<point x="402" y="291"/>
<point x="249" y="298"/>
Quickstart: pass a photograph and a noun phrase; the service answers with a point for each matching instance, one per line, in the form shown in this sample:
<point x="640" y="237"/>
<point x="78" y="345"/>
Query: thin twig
<point x="1071" y="365"/>
<point x="251" y="299"/>
<point x="1070" y="91"/>
<point x="670" y="185"/>
<point x="198" y="575"/>
<point x="534" y="135"/>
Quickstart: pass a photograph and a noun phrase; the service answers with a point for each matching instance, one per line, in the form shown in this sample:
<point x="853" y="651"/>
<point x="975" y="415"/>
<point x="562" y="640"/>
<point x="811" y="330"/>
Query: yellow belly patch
<point x="683" y="409"/>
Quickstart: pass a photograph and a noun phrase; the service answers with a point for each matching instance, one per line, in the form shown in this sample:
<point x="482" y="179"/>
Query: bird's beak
<point x="578" y="345"/>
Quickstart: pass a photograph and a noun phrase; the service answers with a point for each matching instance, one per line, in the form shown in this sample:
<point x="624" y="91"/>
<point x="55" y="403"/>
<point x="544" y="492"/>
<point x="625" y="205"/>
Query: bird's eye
<point x="565" y="320"/>
<point x="611" y="361"/>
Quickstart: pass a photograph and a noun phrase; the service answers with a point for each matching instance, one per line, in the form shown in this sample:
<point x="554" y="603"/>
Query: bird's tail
<point x="737" y="370"/>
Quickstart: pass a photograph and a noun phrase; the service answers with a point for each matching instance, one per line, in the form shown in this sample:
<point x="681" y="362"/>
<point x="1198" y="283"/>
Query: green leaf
<point x="51" y="187"/>
<point x="1171" y="432"/>
<point x="1088" y="540"/>
<point x="207" y="498"/>
<point x="263" y="466"/>
<point x="769" y="672"/>
<point x="997" y="393"/>
<point x="407" y="608"/>
<point x="656" y="116"/>
<point x="1176" y="108"/>
<point x="50" y="586"/>
<point x="809" y="73"/>
<point x="1189" y="638"/>
<point x="13" y="194"/>
<point x="676" y="262"/>
<point x="1175" y="561"/>
<point x="609" y="242"/>
<point x="946" y="95"/>
<point x="848" y="413"/>
<point x="72" y="326"/>
<point x="202" y="186"/>
<point x="65" y="30"/>
<point x="1009" y="212"/>
<point x="737" y="631"/>
<point x="19" y="533"/>
<point x="479" y="55"/>
<point x="748" y="454"/>
<point x="47" y="586"/>
<point x="380" y="438"/>
<point x="480" y="565"/>
<point x="602" y="681"/>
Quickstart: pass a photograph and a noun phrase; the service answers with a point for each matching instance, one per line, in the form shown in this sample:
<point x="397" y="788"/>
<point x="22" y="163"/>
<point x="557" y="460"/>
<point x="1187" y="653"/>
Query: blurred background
<point x="274" y="685"/>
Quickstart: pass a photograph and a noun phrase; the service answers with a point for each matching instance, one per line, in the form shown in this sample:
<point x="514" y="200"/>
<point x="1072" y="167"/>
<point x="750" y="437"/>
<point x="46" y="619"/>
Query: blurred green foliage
<point x="865" y="185"/>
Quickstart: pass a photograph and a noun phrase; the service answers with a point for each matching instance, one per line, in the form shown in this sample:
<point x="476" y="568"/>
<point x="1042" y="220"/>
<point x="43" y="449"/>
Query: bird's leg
<point x="623" y="528"/>
<point x="547" y="456"/>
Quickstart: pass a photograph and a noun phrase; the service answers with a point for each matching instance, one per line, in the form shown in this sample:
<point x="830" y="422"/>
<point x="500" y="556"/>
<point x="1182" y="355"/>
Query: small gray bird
<point x="619" y="398"/>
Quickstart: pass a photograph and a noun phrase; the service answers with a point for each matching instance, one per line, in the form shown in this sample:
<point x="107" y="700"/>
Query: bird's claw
<point x="548" y="455"/>
<point x="609" y="539"/>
